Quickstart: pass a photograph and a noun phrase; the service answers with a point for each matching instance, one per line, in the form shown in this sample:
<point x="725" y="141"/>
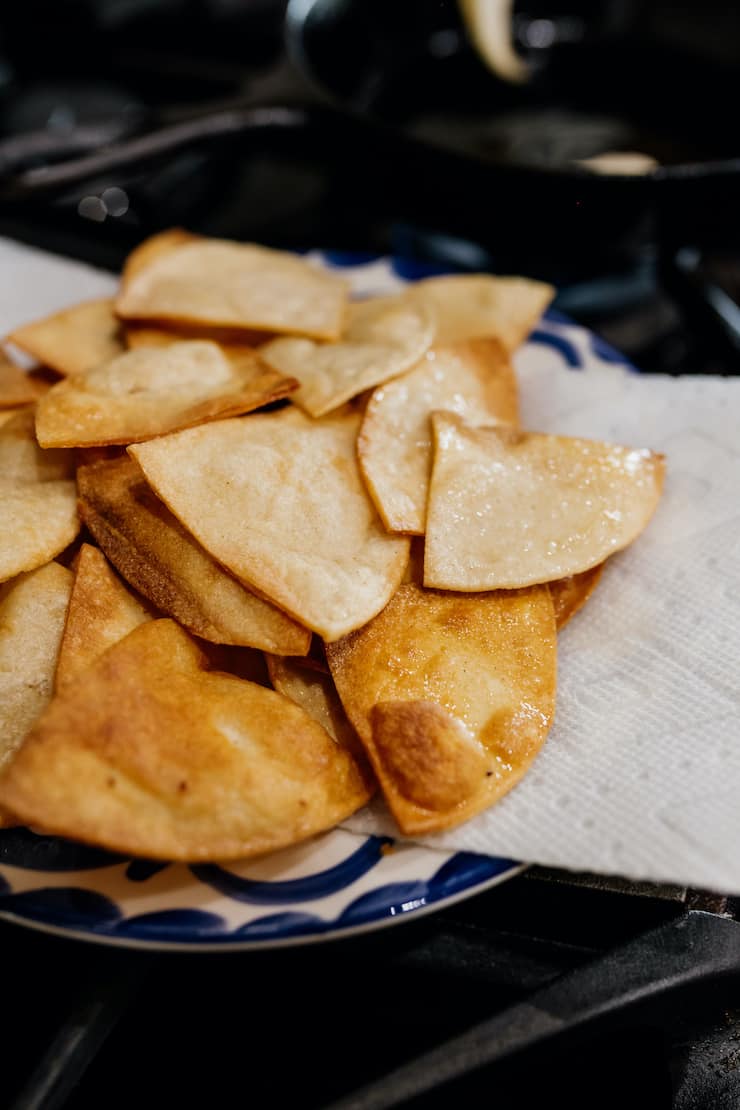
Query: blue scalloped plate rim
<point x="341" y="884"/>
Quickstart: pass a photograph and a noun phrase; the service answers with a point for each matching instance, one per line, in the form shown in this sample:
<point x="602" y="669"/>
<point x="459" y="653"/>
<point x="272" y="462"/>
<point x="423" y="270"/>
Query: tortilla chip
<point x="37" y="521"/>
<point x="21" y="458"/>
<point x="509" y="508"/>
<point x="234" y="285"/>
<point x="235" y="345"/>
<point x="571" y="594"/>
<point x="73" y="340"/>
<point x="152" y="391"/>
<point x="315" y="692"/>
<point x="198" y="766"/>
<point x="479" y="306"/>
<point x="278" y="500"/>
<point x="475" y="380"/>
<point x="16" y="386"/>
<point x="101" y="612"/>
<point x="383" y="338"/>
<point x="452" y="696"/>
<point x="154" y="553"/>
<point x="32" y="612"/>
<point x="155" y="247"/>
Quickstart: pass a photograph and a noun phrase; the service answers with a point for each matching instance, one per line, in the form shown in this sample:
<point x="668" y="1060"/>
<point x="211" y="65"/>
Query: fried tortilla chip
<point x="235" y="345"/>
<point x="278" y="500"/>
<point x="383" y="338"/>
<point x="37" y="521"/>
<point x="154" y="248"/>
<point x="32" y="612"/>
<point x="147" y="753"/>
<point x="571" y="594"/>
<point x="475" y="380"/>
<point x="17" y="387"/>
<point x="509" y="508"/>
<point x="21" y="458"/>
<point x="152" y="391"/>
<point x="452" y="696"/>
<point x="101" y="612"/>
<point x="154" y="553"/>
<point x="233" y="285"/>
<point x="315" y="692"/>
<point x="73" y="340"/>
<point x="479" y="306"/>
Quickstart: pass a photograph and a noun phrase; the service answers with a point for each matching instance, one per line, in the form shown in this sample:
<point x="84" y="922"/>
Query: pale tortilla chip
<point x="475" y="380"/>
<point x="152" y="391"/>
<point x="509" y="508"/>
<point x="571" y="594"/>
<point x="478" y="306"/>
<point x="278" y="500"/>
<point x="197" y="766"/>
<point x="73" y="340"/>
<point x="234" y="285"/>
<point x="384" y="337"/>
<point x="315" y="692"/>
<point x="17" y="387"/>
<point x="153" y="552"/>
<point x="101" y="612"/>
<point x="21" y="458"/>
<point x="37" y="521"/>
<point x="32" y="612"/>
<point x="452" y="696"/>
<point x="155" y="247"/>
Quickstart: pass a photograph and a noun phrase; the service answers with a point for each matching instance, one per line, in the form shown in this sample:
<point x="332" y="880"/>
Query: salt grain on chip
<point x="148" y="753"/>
<point x="510" y="508"/>
<point x="277" y="499"/>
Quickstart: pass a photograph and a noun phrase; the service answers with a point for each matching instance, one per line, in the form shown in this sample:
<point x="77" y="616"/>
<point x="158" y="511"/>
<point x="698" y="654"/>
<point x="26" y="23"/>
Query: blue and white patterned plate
<point x="338" y="884"/>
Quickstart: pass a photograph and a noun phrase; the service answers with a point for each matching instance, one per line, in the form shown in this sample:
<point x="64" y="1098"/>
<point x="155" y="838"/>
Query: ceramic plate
<point x="333" y="886"/>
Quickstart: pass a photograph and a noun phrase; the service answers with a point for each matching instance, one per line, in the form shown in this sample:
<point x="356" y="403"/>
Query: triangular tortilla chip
<point x="73" y="340"/>
<point x="21" y="458"/>
<point x="383" y="338"/>
<point x="17" y="387"/>
<point x="571" y="594"/>
<point x="101" y="612"/>
<point x="146" y="753"/>
<point x="153" y="552"/>
<point x="509" y="508"/>
<point x="152" y="391"/>
<point x="278" y="500"/>
<point x="452" y="696"/>
<point x="153" y="248"/>
<point x="37" y="521"/>
<point x="479" y="306"/>
<point x="32" y="613"/>
<point x="234" y="285"/>
<point x="475" y="380"/>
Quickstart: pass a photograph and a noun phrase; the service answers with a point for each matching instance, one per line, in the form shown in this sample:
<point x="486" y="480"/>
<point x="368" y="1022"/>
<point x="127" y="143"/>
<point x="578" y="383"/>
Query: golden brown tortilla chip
<point x="278" y="500"/>
<point x="383" y="338"/>
<point x="152" y="550"/>
<point x="474" y="379"/>
<point x="315" y="692"/>
<point x="37" y="521"/>
<point x="21" y="458"/>
<point x="234" y="285"/>
<point x="17" y="388"/>
<point x="101" y="612"/>
<point x="146" y="753"/>
<point x="452" y="696"/>
<point x="152" y="391"/>
<point x="32" y="612"/>
<point x="155" y="247"/>
<point x="73" y="340"/>
<point x="235" y="345"/>
<point x="571" y="594"/>
<point x="509" y="508"/>
<point x="479" y="306"/>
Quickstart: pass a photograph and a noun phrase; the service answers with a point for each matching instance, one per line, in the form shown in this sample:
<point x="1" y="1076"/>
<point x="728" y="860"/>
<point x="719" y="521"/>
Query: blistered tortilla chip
<point x="101" y="612"/>
<point x="73" y="340"/>
<point x="37" y="521"/>
<point x="474" y="379"/>
<point x="21" y="458"/>
<point x="147" y="753"/>
<point x="156" y="555"/>
<point x="17" y="387"/>
<point x="32" y="612"/>
<point x="452" y="696"/>
<point x="315" y="692"/>
<point x="510" y="508"/>
<point x="234" y="285"/>
<point x="478" y="306"/>
<point x="278" y="500"/>
<point x="571" y="594"/>
<point x="383" y="338"/>
<point x="152" y="391"/>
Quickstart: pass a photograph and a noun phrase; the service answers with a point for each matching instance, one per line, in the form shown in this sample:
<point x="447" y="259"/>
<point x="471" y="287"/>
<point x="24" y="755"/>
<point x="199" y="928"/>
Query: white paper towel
<point x="641" y="773"/>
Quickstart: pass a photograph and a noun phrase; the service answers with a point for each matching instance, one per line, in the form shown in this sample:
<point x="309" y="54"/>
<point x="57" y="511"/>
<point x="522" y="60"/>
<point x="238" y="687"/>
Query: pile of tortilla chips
<point x="218" y="634"/>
